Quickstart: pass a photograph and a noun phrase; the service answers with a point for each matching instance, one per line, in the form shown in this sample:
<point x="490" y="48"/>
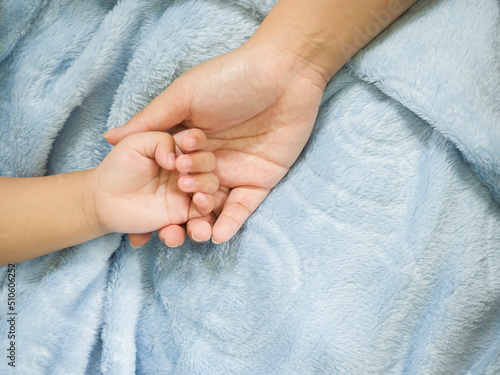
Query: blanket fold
<point x="463" y="103"/>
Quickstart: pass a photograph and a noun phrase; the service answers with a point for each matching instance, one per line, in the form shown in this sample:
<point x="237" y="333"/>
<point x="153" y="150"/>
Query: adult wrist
<point x="306" y="39"/>
<point x="292" y="59"/>
<point x="322" y="35"/>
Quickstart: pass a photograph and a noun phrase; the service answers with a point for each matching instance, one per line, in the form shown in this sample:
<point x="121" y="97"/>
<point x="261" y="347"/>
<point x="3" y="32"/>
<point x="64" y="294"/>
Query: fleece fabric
<point x="378" y="253"/>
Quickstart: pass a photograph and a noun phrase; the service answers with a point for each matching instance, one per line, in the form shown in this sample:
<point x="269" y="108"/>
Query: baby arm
<point x="136" y="189"/>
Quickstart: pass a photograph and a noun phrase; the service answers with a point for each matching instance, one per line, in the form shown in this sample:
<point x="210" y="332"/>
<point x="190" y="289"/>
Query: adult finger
<point x="138" y="240"/>
<point x="199" y="229"/>
<point x="240" y="204"/>
<point x="168" y="109"/>
<point x="204" y="203"/>
<point x="172" y="235"/>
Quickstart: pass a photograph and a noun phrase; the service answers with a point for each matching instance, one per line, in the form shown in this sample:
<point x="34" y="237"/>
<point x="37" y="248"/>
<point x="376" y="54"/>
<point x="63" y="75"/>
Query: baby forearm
<point x="45" y="214"/>
<point x="327" y="33"/>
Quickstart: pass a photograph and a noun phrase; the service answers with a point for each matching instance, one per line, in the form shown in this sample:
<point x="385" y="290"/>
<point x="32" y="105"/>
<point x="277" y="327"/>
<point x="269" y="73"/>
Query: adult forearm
<point x="325" y="34"/>
<point x="44" y="214"/>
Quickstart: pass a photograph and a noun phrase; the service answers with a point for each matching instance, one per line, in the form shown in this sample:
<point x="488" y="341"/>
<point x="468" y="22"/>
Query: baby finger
<point x="196" y="162"/>
<point x="203" y="182"/>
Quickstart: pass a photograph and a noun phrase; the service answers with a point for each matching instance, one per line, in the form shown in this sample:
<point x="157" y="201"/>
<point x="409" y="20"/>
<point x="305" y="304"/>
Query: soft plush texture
<point x="379" y="253"/>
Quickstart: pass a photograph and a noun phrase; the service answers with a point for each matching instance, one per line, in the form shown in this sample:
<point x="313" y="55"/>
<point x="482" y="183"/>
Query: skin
<point x="138" y="188"/>
<point x="258" y="103"/>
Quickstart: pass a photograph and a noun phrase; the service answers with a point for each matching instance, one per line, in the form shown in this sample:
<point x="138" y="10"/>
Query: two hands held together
<point x="257" y="106"/>
<point x="154" y="181"/>
<point x="250" y="125"/>
<point x="199" y="159"/>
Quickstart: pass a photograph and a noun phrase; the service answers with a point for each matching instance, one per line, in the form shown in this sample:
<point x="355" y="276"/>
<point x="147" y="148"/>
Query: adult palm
<point x="257" y="107"/>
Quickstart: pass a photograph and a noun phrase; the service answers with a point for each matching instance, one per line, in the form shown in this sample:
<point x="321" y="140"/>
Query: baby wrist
<point x="90" y="210"/>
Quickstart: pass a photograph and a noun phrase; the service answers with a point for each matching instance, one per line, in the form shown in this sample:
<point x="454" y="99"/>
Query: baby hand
<point x="139" y="187"/>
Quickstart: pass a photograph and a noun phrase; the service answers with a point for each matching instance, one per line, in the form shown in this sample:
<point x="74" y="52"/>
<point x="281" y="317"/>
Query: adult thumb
<point x="168" y="109"/>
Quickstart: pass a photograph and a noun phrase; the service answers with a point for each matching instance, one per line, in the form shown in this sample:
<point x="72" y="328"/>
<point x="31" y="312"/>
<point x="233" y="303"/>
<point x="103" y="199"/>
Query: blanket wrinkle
<point x="15" y="19"/>
<point x="470" y="101"/>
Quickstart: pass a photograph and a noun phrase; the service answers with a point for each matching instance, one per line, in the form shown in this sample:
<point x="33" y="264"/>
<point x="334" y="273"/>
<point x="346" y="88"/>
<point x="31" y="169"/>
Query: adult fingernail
<point x="217" y="243"/>
<point x="173" y="247"/>
<point x="196" y="240"/>
<point x="134" y="247"/>
<point x="109" y="133"/>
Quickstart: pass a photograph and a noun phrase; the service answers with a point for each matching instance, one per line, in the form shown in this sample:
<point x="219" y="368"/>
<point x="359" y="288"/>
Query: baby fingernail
<point x="202" y="199"/>
<point x="171" y="159"/>
<point x="188" y="182"/>
<point x="185" y="163"/>
<point x="190" y="142"/>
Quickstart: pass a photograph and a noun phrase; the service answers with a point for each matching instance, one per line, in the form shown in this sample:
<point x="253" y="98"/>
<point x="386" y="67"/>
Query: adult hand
<point x="257" y="111"/>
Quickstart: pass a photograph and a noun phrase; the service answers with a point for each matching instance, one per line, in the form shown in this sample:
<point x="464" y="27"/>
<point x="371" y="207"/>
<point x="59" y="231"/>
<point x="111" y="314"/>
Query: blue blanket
<point x="379" y="253"/>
